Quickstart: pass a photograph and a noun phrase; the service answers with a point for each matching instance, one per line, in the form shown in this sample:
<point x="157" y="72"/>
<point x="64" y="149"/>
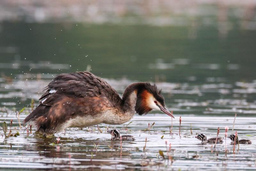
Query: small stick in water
<point x="10" y="127"/>
<point x="234" y="147"/>
<point x="191" y="129"/>
<point x="234" y="122"/>
<point x="30" y="128"/>
<point x="144" y="148"/>
<point x="58" y="140"/>
<point x="180" y="126"/>
<point x="171" y="123"/>
<point x="226" y="134"/>
<point x="121" y="147"/>
<point x="218" y="131"/>
<point x="99" y="129"/>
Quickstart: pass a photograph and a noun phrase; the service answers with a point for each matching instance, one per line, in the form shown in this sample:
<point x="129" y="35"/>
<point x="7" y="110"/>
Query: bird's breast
<point x="117" y="117"/>
<point x="108" y="117"/>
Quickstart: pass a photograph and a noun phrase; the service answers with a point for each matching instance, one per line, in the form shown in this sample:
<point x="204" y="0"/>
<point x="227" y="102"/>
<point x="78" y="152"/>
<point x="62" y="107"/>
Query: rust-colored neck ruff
<point x="132" y="97"/>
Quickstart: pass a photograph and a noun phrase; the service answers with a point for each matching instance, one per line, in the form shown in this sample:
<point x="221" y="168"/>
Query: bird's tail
<point x="38" y="117"/>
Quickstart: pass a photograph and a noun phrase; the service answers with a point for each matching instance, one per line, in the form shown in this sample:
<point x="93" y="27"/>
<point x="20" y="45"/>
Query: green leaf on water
<point x="52" y="144"/>
<point x="16" y="134"/>
<point x="162" y="136"/>
<point x="4" y="126"/>
<point x="161" y="153"/>
<point x="128" y="124"/>
<point x="22" y="109"/>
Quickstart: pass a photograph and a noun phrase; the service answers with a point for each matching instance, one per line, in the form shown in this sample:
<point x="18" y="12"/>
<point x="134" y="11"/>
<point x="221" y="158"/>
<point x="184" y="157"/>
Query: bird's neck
<point x="130" y="98"/>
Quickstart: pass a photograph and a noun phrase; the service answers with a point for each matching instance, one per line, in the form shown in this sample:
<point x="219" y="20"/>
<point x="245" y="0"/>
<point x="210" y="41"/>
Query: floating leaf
<point x="128" y="124"/>
<point x="22" y="110"/>
<point x="17" y="134"/>
<point x="4" y="126"/>
<point x="249" y="135"/>
<point x="162" y="136"/>
<point x="161" y="153"/>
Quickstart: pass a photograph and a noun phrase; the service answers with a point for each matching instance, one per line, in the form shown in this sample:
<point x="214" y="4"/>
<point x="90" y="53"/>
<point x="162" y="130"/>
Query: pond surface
<point x="206" y="79"/>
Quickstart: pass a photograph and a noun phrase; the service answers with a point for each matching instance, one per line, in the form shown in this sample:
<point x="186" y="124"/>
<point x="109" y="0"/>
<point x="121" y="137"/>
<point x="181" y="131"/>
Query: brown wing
<point x="78" y="85"/>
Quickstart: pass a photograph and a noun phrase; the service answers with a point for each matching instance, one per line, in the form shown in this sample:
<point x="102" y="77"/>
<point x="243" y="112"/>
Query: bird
<point x="234" y="139"/>
<point x="82" y="99"/>
<point x="204" y="139"/>
<point x="115" y="135"/>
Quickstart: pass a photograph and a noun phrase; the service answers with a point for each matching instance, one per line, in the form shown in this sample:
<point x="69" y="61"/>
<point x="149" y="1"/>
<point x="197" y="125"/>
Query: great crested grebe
<point x="115" y="135"/>
<point x="204" y="139"/>
<point x="82" y="99"/>
<point x="235" y="139"/>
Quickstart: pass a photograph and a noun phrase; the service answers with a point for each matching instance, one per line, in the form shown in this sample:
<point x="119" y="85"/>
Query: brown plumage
<point x="235" y="140"/>
<point x="115" y="135"/>
<point x="82" y="99"/>
<point x="203" y="138"/>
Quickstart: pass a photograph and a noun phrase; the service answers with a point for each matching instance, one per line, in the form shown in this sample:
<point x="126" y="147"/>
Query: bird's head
<point x="201" y="137"/>
<point x="149" y="98"/>
<point x="233" y="137"/>
<point x="114" y="133"/>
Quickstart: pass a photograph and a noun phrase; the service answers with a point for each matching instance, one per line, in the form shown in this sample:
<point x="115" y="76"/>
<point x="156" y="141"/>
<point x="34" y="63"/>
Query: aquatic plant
<point x="18" y="115"/>
<point x="5" y="130"/>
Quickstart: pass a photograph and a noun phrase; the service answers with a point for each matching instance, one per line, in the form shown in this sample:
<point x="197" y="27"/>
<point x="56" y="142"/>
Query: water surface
<point x="206" y="80"/>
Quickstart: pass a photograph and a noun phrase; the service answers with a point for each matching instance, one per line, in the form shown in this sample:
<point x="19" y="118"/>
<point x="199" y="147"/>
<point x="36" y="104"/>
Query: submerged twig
<point x="121" y="147"/>
<point x="234" y="122"/>
<point x="99" y="129"/>
<point x="171" y="125"/>
<point x="191" y="133"/>
<point x="180" y="126"/>
<point x="144" y="148"/>
<point x="169" y="155"/>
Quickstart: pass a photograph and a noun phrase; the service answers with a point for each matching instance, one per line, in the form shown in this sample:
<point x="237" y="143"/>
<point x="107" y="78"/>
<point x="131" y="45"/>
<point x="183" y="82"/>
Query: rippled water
<point x="92" y="148"/>
<point x="206" y="80"/>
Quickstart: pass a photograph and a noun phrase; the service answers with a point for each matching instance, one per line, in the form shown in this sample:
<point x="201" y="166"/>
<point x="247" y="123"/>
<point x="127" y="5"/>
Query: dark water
<point x="206" y="79"/>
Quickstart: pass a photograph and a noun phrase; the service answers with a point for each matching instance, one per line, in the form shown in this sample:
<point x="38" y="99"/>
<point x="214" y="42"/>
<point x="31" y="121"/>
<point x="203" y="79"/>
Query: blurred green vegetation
<point x="116" y="51"/>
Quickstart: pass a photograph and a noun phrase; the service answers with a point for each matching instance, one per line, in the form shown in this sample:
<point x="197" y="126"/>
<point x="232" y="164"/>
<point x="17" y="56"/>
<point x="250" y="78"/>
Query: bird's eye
<point x="155" y="102"/>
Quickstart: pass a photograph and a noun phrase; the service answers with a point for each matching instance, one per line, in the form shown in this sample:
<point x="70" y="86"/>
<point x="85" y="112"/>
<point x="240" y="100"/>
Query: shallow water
<point x="206" y="80"/>
<point x="92" y="148"/>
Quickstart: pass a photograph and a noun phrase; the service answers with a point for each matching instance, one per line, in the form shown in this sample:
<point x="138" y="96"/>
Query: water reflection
<point x="88" y="148"/>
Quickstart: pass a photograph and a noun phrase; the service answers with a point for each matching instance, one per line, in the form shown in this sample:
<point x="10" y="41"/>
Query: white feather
<point x="152" y="104"/>
<point x="52" y="91"/>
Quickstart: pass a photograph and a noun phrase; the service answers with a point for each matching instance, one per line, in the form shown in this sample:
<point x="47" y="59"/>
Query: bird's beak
<point x="163" y="109"/>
